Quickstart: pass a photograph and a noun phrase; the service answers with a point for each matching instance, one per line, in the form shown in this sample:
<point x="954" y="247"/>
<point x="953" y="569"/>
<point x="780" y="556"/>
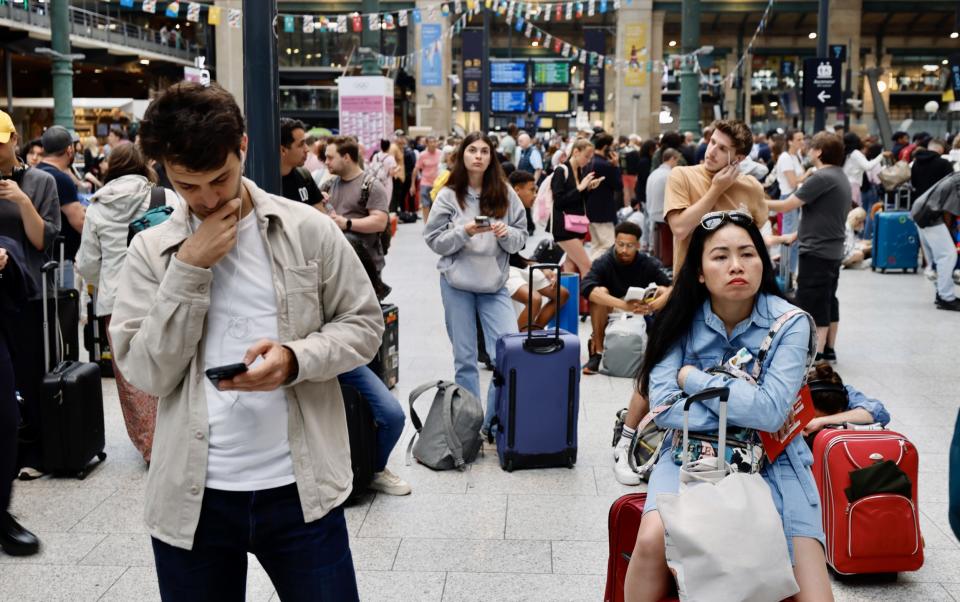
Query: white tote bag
<point x="724" y="536"/>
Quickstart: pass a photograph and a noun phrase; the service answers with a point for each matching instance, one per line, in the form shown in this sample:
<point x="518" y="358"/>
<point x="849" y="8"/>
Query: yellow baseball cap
<point x="6" y="128"/>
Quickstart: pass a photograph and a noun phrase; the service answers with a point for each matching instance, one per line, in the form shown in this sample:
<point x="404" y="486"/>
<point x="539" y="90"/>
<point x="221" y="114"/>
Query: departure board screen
<point x="509" y="101"/>
<point x="551" y="74"/>
<point x="510" y="73"/>
<point x="551" y="102"/>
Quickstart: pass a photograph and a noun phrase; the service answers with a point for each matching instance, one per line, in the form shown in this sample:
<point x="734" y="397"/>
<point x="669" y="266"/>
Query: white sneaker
<point x="621" y="466"/>
<point x="389" y="483"/>
<point x="956" y="276"/>
<point x="929" y="273"/>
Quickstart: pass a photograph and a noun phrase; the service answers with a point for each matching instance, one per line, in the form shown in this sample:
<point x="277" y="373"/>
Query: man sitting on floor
<point x="608" y="281"/>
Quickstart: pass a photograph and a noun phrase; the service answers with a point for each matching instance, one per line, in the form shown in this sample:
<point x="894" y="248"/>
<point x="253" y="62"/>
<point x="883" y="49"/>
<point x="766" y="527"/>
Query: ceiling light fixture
<point x="812" y="35"/>
<point x="672" y="43"/>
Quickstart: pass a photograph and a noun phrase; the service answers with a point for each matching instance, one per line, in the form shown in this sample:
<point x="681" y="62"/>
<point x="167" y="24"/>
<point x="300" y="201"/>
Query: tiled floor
<point x="489" y="535"/>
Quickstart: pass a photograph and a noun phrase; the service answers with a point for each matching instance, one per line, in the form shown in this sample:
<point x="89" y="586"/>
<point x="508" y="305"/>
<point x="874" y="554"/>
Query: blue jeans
<point x="386" y="409"/>
<point x="497" y="318"/>
<point x="305" y="561"/>
<point x="791" y="222"/>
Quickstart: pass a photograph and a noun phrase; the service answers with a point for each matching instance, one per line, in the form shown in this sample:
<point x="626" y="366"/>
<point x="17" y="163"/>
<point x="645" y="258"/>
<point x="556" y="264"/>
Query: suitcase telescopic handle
<point x="546" y="344"/>
<point x="724" y="394"/>
<point x="45" y="269"/>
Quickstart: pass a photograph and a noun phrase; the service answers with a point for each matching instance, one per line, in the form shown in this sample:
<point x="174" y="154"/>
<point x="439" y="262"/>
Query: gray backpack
<point x="450" y="437"/>
<point x="623" y="346"/>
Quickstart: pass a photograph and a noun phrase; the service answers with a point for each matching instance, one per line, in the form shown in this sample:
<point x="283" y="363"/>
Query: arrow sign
<point x="821" y="82"/>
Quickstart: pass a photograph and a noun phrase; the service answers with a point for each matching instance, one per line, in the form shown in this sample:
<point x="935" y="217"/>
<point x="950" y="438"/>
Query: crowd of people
<point x="699" y="224"/>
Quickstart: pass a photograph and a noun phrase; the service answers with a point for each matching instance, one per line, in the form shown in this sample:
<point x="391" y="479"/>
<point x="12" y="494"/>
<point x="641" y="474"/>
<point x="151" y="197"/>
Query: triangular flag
<point x="445" y="9"/>
<point x="416" y="16"/>
<point x="173" y="10"/>
<point x="583" y="57"/>
<point x="149" y="6"/>
<point x="529" y="31"/>
<point x="546" y="41"/>
<point x="126" y="3"/>
<point x="519" y="26"/>
<point x="488" y="3"/>
<point x="233" y="18"/>
<point x="566" y="49"/>
<point x="213" y="15"/>
<point x="579" y="10"/>
<point x="308" y="24"/>
<point x="193" y="12"/>
<point x="471" y="5"/>
<point x="342" y="24"/>
<point x="388" y="22"/>
<point x="289" y="26"/>
<point x="403" y="19"/>
<point x="568" y="14"/>
<point x="356" y="22"/>
<point x="591" y="8"/>
<point x="373" y="22"/>
<point x="603" y="6"/>
<point x="457" y="7"/>
<point x="557" y="45"/>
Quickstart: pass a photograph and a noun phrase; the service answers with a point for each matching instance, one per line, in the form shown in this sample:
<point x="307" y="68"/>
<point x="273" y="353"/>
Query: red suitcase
<point x="624" y="522"/>
<point x="878" y="533"/>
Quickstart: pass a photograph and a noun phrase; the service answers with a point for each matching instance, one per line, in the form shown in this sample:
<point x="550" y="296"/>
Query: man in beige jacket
<point x="259" y="462"/>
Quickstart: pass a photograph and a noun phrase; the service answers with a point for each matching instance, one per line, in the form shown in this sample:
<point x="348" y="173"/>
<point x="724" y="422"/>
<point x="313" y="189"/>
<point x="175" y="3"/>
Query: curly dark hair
<point x="193" y="126"/>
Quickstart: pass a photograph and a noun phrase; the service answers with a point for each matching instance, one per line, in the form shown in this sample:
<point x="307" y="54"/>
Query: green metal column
<point x="62" y="66"/>
<point x="689" y="76"/>
<point x="370" y="39"/>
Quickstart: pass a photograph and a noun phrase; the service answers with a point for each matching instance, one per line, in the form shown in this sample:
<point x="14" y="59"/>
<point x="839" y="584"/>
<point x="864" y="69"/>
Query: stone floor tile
<point x="462" y="587"/>
<point x="131" y="549"/>
<point x="939" y="566"/>
<point x="373" y="553"/>
<point x="137" y="583"/>
<point x="489" y="479"/>
<point x="396" y="586"/>
<point x="57" y="510"/>
<point x="557" y="517"/>
<point x="51" y="583"/>
<point x="58" y="548"/>
<point x="122" y="512"/>
<point x="356" y="513"/>
<point x="434" y="515"/>
<point x="891" y="592"/>
<point x="474" y="556"/>
<point x="580" y="557"/>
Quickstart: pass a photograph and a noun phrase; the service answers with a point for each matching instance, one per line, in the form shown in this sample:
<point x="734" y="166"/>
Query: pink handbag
<point x="578" y="224"/>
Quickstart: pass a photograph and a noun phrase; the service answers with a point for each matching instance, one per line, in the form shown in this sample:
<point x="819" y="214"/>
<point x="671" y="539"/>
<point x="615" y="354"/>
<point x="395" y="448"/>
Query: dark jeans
<point x="305" y="561"/>
<point x="386" y="409"/>
<point x="9" y="421"/>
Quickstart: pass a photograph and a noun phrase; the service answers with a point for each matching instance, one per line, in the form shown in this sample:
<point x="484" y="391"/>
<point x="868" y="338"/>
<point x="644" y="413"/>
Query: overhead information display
<point x="508" y="101"/>
<point x="551" y="102"/>
<point x="554" y="73"/>
<point x="511" y="73"/>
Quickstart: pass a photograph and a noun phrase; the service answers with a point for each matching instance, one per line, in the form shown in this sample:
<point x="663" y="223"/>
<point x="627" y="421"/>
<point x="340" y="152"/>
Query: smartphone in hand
<point x="225" y="372"/>
<point x="482" y="221"/>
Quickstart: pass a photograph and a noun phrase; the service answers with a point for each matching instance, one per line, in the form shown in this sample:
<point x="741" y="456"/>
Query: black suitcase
<point x="363" y="440"/>
<point x="386" y="364"/>
<point x="71" y="407"/>
<point x="95" y="339"/>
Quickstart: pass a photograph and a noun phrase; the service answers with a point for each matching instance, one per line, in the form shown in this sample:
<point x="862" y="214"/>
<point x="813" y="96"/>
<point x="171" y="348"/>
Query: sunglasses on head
<point x="715" y="219"/>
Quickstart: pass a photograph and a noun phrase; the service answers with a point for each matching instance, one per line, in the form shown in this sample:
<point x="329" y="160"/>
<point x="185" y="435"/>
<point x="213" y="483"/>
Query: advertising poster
<point x="366" y="109"/>
<point x="431" y="61"/>
<point x="593" y="93"/>
<point x="635" y="51"/>
<point x="472" y="69"/>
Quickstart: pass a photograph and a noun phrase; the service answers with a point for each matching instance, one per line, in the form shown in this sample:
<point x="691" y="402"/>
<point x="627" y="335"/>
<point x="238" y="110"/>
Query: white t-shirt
<point x="249" y="449"/>
<point x="785" y="163"/>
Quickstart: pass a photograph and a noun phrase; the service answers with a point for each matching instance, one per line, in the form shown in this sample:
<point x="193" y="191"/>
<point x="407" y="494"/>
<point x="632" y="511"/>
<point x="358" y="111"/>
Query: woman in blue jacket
<point x="725" y="298"/>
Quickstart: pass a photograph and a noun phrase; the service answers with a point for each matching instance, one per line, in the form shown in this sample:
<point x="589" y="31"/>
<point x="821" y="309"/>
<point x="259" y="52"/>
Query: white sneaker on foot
<point x="621" y="466"/>
<point x="389" y="483"/>
<point x="929" y="273"/>
<point x="956" y="276"/>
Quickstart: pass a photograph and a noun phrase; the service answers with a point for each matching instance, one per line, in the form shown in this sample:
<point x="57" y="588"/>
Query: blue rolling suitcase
<point x="569" y="314"/>
<point x="538" y="397"/>
<point x="895" y="242"/>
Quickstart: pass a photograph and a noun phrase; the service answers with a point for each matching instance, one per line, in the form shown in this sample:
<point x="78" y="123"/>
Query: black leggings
<point x="9" y="422"/>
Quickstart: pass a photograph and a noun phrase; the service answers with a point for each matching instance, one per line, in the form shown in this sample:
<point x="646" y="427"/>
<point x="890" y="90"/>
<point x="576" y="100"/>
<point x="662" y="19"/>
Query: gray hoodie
<point x="103" y="244"/>
<point x="479" y="263"/>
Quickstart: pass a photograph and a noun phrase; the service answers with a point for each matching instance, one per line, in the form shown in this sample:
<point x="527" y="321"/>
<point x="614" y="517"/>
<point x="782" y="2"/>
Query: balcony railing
<point x="103" y="28"/>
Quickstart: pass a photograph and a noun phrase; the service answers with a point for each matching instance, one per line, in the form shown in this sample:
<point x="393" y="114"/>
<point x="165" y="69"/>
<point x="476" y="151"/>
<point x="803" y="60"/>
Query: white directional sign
<point x="821" y="82"/>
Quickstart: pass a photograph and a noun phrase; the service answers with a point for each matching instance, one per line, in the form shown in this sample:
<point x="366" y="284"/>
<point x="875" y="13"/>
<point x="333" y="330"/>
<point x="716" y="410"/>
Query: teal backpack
<point x="157" y="213"/>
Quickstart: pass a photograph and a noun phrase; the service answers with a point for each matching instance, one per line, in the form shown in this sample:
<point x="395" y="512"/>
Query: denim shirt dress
<point x="764" y="407"/>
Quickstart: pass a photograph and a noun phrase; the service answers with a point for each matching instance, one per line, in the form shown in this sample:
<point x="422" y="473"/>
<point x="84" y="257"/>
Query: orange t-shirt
<point x="686" y="185"/>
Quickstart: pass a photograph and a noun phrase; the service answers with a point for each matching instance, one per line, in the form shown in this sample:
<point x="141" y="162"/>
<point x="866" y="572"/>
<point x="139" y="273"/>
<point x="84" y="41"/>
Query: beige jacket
<point x="328" y="315"/>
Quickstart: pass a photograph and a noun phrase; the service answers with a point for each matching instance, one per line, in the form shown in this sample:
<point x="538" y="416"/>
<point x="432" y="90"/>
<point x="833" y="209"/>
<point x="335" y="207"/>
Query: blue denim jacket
<point x="858" y="400"/>
<point x="763" y="407"/>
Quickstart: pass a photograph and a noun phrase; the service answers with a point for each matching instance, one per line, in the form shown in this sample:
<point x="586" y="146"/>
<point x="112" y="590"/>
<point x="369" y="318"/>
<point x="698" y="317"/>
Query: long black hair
<point x="494" y="197"/>
<point x="673" y="322"/>
<point x="851" y="142"/>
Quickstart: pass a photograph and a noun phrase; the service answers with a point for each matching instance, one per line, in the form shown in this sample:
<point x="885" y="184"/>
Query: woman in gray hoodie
<point x="125" y="196"/>
<point x="476" y="222"/>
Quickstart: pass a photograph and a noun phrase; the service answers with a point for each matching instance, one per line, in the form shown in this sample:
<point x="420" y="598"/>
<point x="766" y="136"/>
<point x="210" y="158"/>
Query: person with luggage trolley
<point x="239" y="312"/>
<point x="725" y="298"/>
<point x="475" y="224"/>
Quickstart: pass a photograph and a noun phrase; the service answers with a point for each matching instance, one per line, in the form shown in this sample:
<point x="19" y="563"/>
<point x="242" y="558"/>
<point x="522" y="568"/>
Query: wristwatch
<point x="349" y="225"/>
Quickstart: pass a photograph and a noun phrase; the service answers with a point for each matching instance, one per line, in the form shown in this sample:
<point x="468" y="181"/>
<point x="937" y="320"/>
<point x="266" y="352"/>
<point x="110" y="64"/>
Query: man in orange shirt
<point x="714" y="185"/>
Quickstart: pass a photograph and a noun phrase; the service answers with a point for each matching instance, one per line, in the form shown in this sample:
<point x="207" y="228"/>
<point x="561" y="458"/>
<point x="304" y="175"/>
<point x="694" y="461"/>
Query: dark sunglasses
<point x="715" y="219"/>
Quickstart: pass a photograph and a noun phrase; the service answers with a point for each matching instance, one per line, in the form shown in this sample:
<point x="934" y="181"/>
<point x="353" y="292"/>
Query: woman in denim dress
<point x="725" y="298"/>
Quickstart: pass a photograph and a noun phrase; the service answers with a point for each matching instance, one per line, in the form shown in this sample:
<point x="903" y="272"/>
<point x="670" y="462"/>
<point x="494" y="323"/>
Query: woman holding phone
<point x="476" y="223"/>
<point x="569" y="222"/>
